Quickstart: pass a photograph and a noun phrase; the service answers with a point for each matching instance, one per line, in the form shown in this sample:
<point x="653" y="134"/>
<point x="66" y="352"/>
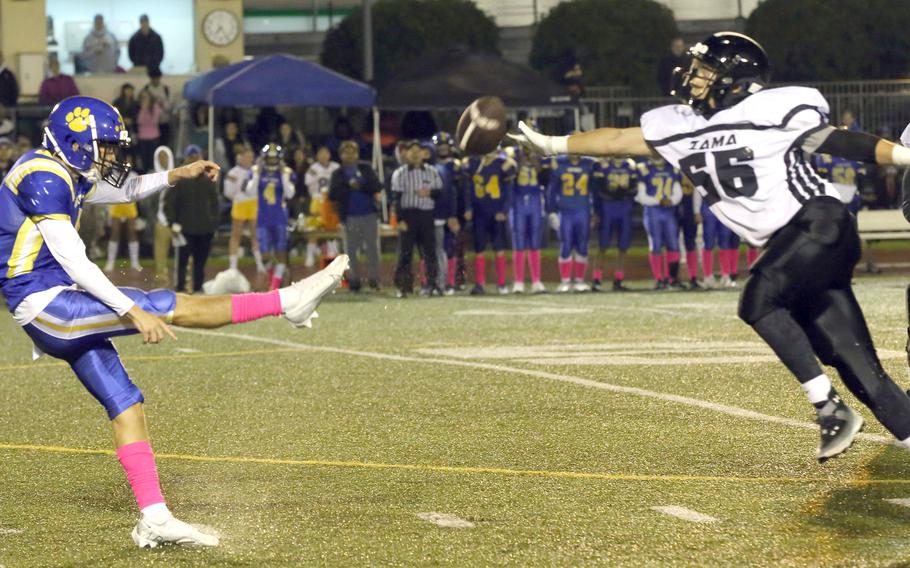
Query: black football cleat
<point x="477" y="290"/>
<point x="839" y="425"/>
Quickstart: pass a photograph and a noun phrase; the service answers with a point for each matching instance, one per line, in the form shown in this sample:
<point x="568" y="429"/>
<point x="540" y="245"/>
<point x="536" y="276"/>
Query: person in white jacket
<point x="244" y="206"/>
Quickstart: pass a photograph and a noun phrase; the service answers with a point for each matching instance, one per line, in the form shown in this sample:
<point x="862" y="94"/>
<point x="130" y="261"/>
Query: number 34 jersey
<point x="746" y="161"/>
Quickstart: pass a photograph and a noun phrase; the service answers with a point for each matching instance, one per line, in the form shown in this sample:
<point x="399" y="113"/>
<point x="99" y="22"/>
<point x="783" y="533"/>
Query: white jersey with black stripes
<point x="746" y="161"/>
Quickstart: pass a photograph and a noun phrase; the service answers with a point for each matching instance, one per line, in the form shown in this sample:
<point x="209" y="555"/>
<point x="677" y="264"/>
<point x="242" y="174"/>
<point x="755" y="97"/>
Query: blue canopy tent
<point x="279" y="80"/>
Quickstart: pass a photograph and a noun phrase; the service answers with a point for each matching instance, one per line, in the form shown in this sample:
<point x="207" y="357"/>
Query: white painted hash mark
<point x="10" y="531"/>
<point x="186" y="350"/>
<point x="446" y="520"/>
<point x="902" y="502"/>
<point x="684" y="514"/>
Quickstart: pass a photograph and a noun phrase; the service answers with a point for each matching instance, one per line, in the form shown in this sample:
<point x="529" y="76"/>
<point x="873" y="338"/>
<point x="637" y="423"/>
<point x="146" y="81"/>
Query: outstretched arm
<point x="600" y="142"/>
<point x="140" y="187"/>
<point x="857" y="146"/>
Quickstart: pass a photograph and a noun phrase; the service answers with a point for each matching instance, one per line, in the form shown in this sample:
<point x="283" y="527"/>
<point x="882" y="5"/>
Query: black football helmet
<point x="445" y="144"/>
<point x="736" y="61"/>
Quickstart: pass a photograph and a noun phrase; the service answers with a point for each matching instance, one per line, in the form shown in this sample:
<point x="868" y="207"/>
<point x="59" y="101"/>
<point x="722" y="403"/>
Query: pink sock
<point x="500" y="270"/>
<point x="275" y="283"/>
<point x="451" y="274"/>
<point x="565" y="269"/>
<point x="597" y="275"/>
<point x="581" y="267"/>
<point x="724" y="262"/>
<point x="672" y="256"/>
<point x="657" y="265"/>
<point x="255" y="305"/>
<point x="480" y="270"/>
<point x="138" y="461"/>
<point x="751" y="256"/>
<point x="534" y="258"/>
<point x="707" y="262"/>
<point x="666" y="265"/>
<point x="734" y="261"/>
<point x="518" y="265"/>
<point x="692" y="264"/>
<point x="619" y="275"/>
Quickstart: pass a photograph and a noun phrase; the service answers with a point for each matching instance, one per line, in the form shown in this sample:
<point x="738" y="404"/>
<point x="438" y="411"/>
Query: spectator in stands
<point x="415" y="187"/>
<point x="162" y="95"/>
<point x="56" y="86"/>
<point x="148" y="135"/>
<point x="7" y="156"/>
<point x="354" y="190"/>
<point x="228" y="145"/>
<point x="848" y="121"/>
<point x="342" y="131"/>
<point x="191" y="209"/>
<point x="145" y="47"/>
<point x="164" y="161"/>
<point x="572" y="75"/>
<point x="289" y="138"/>
<point x="265" y="129"/>
<point x="676" y="58"/>
<point x="9" y="86"/>
<point x="23" y="143"/>
<point x="317" y="180"/>
<point x="128" y="106"/>
<point x="6" y="124"/>
<point x="100" y="51"/>
<point x="198" y="134"/>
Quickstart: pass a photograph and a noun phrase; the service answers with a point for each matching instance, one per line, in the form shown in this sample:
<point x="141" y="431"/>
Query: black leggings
<point x="800" y="301"/>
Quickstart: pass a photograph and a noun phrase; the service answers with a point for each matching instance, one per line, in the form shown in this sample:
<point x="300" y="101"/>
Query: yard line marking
<point x="684" y="400"/>
<point x="438" y="468"/>
<point x="542" y="311"/>
<point x="670" y="310"/>
<point x="446" y="520"/>
<point x="685" y="514"/>
<point x="186" y="350"/>
<point x="10" y="531"/>
<point x="901" y="502"/>
<point x="200" y="355"/>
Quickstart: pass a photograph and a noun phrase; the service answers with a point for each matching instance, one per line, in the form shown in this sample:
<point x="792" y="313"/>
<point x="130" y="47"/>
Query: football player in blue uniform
<point x="613" y="212"/>
<point x="70" y="309"/>
<point x="746" y="147"/>
<point x="445" y="215"/>
<point x="491" y="185"/>
<point x="526" y="218"/>
<point x="659" y="192"/>
<point x="274" y="186"/>
<point x="572" y="181"/>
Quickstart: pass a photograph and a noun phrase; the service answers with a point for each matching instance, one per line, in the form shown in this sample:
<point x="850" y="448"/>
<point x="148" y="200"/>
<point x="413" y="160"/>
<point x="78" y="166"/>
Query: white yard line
<point x="4" y="531"/>
<point x="685" y="514"/>
<point x="670" y="311"/>
<point x="901" y="502"/>
<point x="186" y="350"/>
<point x="446" y="520"/>
<point x="580" y="381"/>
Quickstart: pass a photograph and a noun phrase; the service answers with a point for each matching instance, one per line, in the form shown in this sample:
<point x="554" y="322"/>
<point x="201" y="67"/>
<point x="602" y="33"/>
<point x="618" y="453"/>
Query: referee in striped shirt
<point x="415" y="187"/>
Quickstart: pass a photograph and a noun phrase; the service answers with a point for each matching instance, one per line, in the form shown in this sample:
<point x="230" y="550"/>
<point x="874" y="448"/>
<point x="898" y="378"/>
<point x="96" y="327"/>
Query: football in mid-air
<point x="481" y="126"/>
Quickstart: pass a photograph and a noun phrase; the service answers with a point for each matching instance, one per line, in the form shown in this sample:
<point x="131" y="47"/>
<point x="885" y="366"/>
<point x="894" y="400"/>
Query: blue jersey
<point x="273" y="208"/>
<point x="620" y="180"/>
<point x="447" y="203"/>
<point x="659" y="180"/>
<point x="839" y="170"/>
<point x="37" y="187"/>
<point x="527" y="183"/>
<point x="491" y="184"/>
<point x="572" y="180"/>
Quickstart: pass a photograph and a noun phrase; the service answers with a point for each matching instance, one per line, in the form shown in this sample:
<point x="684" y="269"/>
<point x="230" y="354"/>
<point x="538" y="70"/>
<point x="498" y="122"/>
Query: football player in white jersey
<point x="745" y="148"/>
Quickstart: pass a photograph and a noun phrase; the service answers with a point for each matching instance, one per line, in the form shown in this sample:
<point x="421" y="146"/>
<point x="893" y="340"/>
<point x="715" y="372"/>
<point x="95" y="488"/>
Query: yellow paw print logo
<point x="77" y="120"/>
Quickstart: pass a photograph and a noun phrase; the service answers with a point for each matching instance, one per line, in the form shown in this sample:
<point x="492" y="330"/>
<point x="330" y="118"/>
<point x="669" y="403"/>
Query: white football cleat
<point x="518" y="288"/>
<point x="709" y="282"/>
<point x="564" y="287"/>
<point x="582" y="287"/>
<point x="148" y="534"/>
<point x="312" y="289"/>
<point x="538" y="288"/>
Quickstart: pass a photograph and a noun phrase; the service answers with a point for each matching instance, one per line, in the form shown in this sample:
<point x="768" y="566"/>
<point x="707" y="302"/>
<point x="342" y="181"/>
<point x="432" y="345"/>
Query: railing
<point x="882" y="107"/>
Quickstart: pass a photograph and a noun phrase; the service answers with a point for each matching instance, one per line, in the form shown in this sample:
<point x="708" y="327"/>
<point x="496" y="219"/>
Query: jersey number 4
<point x="736" y="177"/>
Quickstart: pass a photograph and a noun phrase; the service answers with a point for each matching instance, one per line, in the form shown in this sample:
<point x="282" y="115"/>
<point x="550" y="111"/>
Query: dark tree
<point x="404" y="30"/>
<point x="833" y="40"/>
<point x="617" y="42"/>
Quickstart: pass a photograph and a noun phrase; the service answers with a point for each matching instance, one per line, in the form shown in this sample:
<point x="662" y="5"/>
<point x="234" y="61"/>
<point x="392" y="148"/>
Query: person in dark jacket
<point x="191" y="209"/>
<point x="675" y="58"/>
<point x="354" y="189"/>
<point x="9" y="86"/>
<point x="145" y="47"/>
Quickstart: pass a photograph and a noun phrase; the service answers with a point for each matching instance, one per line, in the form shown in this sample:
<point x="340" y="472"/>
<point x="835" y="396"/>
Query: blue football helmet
<point x="272" y="156"/>
<point x="445" y="144"/>
<point x="89" y="136"/>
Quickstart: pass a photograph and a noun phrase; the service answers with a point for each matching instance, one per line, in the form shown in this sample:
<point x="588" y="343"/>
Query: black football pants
<point x="421" y="232"/>
<point x="800" y="301"/>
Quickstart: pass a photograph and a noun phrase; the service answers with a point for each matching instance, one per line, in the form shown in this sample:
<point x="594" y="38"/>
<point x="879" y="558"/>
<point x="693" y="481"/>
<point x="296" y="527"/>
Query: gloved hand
<point x="539" y="143"/>
<point x="177" y="227"/>
<point x="553" y="218"/>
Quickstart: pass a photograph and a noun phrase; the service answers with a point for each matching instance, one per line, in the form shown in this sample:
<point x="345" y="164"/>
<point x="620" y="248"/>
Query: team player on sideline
<point x="491" y="185"/>
<point x="526" y="219"/>
<point x="613" y="206"/>
<point x="659" y="192"/>
<point x="745" y="148"/>
<point x="685" y="213"/>
<point x="71" y="310"/>
<point x="714" y="233"/>
<point x="572" y="181"/>
<point x="244" y="208"/>
<point x="123" y="219"/>
<point x="272" y="182"/>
